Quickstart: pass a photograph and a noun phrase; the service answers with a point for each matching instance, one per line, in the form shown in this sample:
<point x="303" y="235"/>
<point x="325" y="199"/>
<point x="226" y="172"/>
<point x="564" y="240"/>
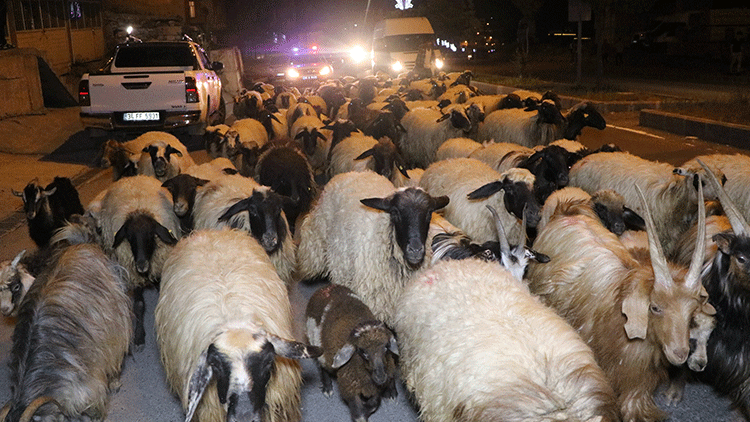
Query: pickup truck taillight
<point x="191" y="90"/>
<point x="84" y="99"/>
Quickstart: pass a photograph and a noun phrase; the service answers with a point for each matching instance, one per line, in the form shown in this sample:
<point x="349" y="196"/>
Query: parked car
<point x="153" y="86"/>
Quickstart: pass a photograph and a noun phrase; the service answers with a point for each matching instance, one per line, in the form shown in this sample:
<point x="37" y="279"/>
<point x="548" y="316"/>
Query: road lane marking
<point x="640" y="132"/>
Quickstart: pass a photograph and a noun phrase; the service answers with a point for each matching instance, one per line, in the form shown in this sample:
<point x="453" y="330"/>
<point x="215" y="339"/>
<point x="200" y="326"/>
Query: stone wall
<point x="19" y="82"/>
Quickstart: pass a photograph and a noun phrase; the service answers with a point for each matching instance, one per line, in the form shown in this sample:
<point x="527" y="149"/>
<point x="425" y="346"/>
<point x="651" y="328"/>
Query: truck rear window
<point x="145" y="55"/>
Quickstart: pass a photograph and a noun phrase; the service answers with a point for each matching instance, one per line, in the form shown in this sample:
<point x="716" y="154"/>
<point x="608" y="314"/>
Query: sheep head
<point x="410" y="212"/>
<point x="457" y="116"/>
<point x="157" y="157"/>
<point x="14" y="283"/>
<point x="241" y="360"/>
<point x="518" y="195"/>
<point x="373" y="342"/>
<point x="385" y="157"/>
<point x="265" y="218"/>
<point x="183" y="188"/>
<point x="141" y="231"/>
<point x="610" y="207"/>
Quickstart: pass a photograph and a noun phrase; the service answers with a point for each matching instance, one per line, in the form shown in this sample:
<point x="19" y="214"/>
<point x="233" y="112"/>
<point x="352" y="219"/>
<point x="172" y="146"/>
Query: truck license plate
<point x="141" y="116"/>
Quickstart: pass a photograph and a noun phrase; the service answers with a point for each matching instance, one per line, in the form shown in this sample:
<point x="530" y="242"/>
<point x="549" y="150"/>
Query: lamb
<point x="361" y="153"/>
<point x="138" y="229"/>
<point x="471" y="184"/>
<point x="427" y="129"/>
<point x="526" y="128"/>
<point x="72" y="334"/>
<point x="476" y="345"/>
<point x="606" y="205"/>
<point x="358" y="349"/>
<point x="631" y="307"/>
<point x="48" y="209"/>
<point x="671" y="191"/>
<point x="285" y="169"/>
<point x="456" y="148"/>
<point x="223" y="314"/>
<point x="367" y="235"/>
<point x="241" y="203"/>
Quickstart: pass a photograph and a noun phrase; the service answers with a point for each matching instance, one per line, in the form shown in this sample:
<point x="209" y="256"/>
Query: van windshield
<point x="405" y="42"/>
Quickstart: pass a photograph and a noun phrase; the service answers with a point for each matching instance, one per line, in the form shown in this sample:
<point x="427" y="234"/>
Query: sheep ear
<point x="440" y="202"/>
<point x="723" y="240"/>
<point x="299" y="135"/>
<point x="165" y="235"/>
<point x="201" y="182"/>
<point x="238" y="207"/>
<point x="635" y="307"/>
<point x="293" y="349"/>
<point x="366" y="154"/>
<point x="382" y="204"/>
<point x="198" y="383"/>
<point x="173" y="150"/>
<point x="343" y="355"/>
<point x="487" y="190"/>
<point x="680" y="171"/>
<point x="633" y="221"/>
<point x="443" y="117"/>
<point x="392" y="345"/>
<point x="537" y="256"/>
<point x="119" y="237"/>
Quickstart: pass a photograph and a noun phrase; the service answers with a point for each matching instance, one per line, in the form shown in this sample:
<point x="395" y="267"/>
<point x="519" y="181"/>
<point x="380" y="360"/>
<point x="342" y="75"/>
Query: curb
<point x="731" y="134"/>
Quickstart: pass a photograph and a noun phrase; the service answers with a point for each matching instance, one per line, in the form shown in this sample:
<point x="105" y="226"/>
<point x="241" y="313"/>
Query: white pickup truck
<point x="153" y="86"/>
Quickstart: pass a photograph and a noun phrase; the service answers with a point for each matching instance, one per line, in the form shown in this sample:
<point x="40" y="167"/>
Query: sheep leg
<point x="139" y="309"/>
<point x="361" y="410"/>
<point x="390" y="391"/>
<point x="676" y="386"/>
<point x="325" y="378"/>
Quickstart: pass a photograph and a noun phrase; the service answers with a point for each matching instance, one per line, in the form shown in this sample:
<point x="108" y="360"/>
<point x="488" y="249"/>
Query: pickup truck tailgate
<point x="137" y="92"/>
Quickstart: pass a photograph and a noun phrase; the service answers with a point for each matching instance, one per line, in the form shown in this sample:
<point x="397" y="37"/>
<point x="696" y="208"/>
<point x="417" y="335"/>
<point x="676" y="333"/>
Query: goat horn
<point x="16" y="193"/>
<point x="4" y="411"/>
<point x="662" y="275"/>
<point x="34" y="406"/>
<point x="738" y="222"/>
<point x="501" y="237"/>
<point x="693" y="277"/>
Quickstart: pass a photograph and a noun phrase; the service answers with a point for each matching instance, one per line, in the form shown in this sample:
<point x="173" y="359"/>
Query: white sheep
<point x="671" y="191"/>
<point x="241" y="203"/>
<point x="427" y="129"/>
<point x="367" y="235"/>
<point x="457" y="94"/>
<point x="315" y="141"/>
<point x="223" y="314"/>
<point x="476" y="345"/>
<point x="496" y="102"/>
<point x="736" y="168"/>
<point x="457" y="148"/>
<point x="360" y="153"/>
<point x="471" y="184"/>
<point x="527" y="128"/>
<point x="252" y="133"/>
<point x="157" y="154"/>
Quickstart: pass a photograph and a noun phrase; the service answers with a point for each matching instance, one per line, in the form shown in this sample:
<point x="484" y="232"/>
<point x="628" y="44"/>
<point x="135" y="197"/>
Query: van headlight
<point x="292" y="73"/>
<point x="397" y="66"/>
<point x="325" y="70"/>
<point x="358" y="54"/>
<point x="438" y="63"/>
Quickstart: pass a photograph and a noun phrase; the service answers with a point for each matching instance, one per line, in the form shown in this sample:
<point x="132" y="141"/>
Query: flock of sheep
<point x="470" y="246"/>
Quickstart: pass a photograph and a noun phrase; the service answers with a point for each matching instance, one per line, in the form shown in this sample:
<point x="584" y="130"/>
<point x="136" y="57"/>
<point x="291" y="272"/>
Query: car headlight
<point x="292" y="73"/>
<point x="438" y="63"/>
<point x="397" y="66"/>
<point x="358" y="54"/>
<point x="325" y="70"/>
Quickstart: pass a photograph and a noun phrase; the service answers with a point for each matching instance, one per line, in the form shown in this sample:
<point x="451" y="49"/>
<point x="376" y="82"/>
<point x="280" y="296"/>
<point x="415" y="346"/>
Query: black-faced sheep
<point x="477" y="346"/>
<point x="310" y="133"/>
<point x="631" y="307"/>
<point x="47" y="209"/>
<point x="581" y="115"/>
<point x="241" y="203"/>
<point x="427" y="129"/>
<point x="367" y="235"/>
<point x="361" y="153"/>
<point x="184" y="188"/>
<point x="73" y="330"/>
<point x="471" y="184"/>
<point x="527" y="128"/>
<point x="357" y="348"/>
<point x="224" y="329"/>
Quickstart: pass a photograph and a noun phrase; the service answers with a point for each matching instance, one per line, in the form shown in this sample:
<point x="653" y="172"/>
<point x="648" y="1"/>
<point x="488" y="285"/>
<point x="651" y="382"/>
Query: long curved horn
<point x="738" y="222"/>
<point x="662" y="275"/>
<point x="501" y="237"/>
<point x="693" y="277"/>
<point x="34" y="406"/>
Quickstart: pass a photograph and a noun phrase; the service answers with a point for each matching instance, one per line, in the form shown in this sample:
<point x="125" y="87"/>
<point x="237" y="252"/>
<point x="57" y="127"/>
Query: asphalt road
<point x="145" y="397"/>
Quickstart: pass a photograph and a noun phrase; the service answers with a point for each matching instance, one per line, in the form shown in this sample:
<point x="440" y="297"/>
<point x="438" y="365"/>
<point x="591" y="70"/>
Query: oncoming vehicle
<point x="405" y="44"/>
<point x="153" y="86"/>
<point x="305" y="69"/>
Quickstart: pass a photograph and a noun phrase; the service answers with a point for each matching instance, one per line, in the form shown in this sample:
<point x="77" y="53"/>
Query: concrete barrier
<point x="731" y="134"/>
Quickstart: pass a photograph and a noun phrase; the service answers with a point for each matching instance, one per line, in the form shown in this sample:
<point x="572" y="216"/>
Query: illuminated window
<point x="191" y="5"/>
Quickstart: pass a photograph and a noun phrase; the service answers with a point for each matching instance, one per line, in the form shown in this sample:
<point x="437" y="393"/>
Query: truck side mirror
<point x="217" y="66"/>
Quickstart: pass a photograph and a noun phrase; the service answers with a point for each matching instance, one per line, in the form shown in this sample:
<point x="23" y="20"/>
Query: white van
<point x="396" y="43"/>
